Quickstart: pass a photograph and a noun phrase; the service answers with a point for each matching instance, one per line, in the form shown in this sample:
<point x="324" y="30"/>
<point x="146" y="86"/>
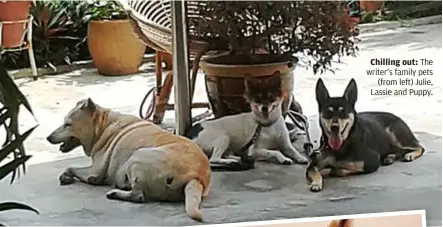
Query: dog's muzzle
<point x="266" y="111"/>
<point x="51" y="140"/>
<point x="68" y="145"/>
<point x="335" y="140"/>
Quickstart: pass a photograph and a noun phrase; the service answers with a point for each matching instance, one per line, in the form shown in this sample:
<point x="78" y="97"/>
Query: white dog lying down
<point x="224" y="136"/>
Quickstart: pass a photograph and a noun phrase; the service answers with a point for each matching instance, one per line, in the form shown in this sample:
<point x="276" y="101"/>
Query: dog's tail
<point x="193" y="196"/>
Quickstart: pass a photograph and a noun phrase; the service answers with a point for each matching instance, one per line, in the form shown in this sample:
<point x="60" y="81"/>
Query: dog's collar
<point x="256" y="134"/>
<point x="243" y="153"/>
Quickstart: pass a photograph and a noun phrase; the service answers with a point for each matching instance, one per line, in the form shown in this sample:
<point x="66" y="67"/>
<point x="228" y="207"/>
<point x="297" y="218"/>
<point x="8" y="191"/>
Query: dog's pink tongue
<point x="334" y="142"/>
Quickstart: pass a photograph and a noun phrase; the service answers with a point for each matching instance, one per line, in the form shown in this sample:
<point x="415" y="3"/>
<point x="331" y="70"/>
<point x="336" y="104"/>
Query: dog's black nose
<point x="335" y="128"/>
<point x="264" y="109"/>
<point x="49" y="139"/>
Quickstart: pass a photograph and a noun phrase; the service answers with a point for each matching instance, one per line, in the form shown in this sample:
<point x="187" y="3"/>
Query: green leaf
<point x="9" y="89"/>
<point x="3" y="117"/>
<point x="56" y="18"/>
<point x="12" y="165"/>
<point x="16" y="206"/>
<point x="11" y="147"/>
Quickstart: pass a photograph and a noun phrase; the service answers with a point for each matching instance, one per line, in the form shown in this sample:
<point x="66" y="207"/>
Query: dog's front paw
<point x="409" y="157"/>
<point x="66" y="179"/>
<point x="112" y="194"/>
<point x="315" y="187"/>
<point x="301" y="160"/>
<point x="388" y="159"/>
<point x="287" y="161"/>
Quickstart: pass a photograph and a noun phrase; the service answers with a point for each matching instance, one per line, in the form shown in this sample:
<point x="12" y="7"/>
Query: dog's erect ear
<point x="249" y="84"/>
<point x="351" y="92"/>
<point x="321" y="92"/>
<point x="275" y="79"/>
<point x="275" y="83"/>
<point x="248" y="81"/>
<point x="89" y="105"/>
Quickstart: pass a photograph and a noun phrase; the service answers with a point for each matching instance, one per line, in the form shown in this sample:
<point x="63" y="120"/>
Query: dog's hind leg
<point x="135" y="174"/>
<point x="414" y="154"/>
<point x="343" y="169"/>
<point x="214" y="144"/>
<point x="368" y="161"/>
<point x="408" y="148"/>
<point x="134" y="195"/>
<point x="219" y="146"/>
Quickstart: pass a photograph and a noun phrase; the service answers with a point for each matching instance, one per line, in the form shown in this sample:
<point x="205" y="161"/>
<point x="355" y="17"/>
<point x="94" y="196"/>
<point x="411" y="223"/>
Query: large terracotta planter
<point x="114" y="48"/>
<point x="224" y="78"/>
<point x="351" y="21"/>
<point x="13" y="34"/>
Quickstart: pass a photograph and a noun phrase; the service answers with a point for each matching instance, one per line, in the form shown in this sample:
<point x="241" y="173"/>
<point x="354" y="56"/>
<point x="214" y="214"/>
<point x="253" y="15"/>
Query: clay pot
<point x="13" y="34"/>
<point x="351" y="21"/>
<point x="225" y="75"/>
<point x="114" y="48"/>
<point x="370" y="6"/>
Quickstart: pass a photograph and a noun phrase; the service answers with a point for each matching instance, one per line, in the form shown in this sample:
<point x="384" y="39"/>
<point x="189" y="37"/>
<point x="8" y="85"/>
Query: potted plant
<point x="114" y="48"/>
<point x="13" y="11"/>
<point x="264" y="37"/>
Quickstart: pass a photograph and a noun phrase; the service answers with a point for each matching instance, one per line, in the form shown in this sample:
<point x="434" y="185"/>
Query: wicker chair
<point x="152" y="23"/>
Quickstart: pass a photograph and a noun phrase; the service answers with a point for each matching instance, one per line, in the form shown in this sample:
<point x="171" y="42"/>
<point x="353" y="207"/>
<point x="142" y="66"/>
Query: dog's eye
<point x="68" y="124"/>
<point x="327" y="114"/>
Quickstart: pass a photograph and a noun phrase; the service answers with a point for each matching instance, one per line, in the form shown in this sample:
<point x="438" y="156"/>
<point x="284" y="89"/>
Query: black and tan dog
<point x="357" y="143"/>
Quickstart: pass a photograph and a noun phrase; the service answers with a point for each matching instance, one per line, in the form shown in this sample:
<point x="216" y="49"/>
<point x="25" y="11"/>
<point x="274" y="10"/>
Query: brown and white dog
<point x="223" y="138"/>
<point x="141" y="160"/>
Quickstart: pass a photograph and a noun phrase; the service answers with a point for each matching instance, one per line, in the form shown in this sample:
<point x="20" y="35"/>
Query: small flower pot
<point x="371" y="6"/>
<point x="13" y="33"/>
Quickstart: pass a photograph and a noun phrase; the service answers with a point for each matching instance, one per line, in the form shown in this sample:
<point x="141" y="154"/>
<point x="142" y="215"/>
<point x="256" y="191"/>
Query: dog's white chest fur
<point x="270" y="136"/>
